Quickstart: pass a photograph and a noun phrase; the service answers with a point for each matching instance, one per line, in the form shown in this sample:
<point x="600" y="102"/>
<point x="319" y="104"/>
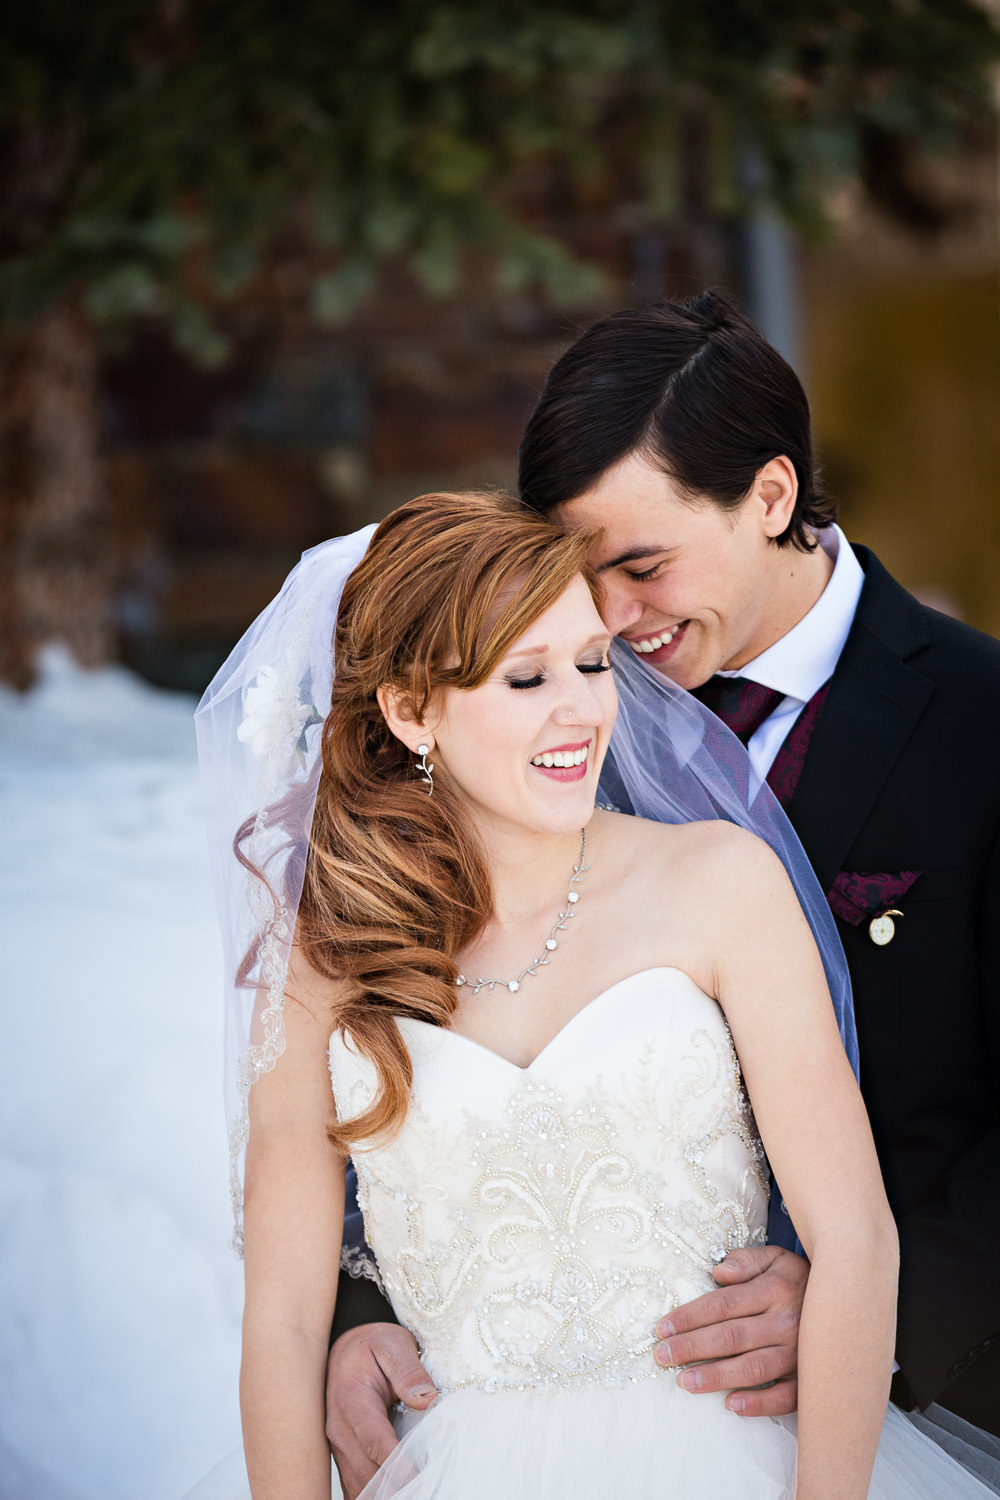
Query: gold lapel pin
<point x="882" y="929"/>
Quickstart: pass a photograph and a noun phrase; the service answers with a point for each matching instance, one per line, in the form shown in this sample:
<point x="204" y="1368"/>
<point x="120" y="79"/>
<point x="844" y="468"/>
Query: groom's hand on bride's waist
<point x="371" y="1368"/>
<point x="744" y="1337"/>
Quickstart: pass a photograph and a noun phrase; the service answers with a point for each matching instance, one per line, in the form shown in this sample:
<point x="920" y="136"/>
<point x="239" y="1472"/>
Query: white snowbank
<point x="119" y="1295"/>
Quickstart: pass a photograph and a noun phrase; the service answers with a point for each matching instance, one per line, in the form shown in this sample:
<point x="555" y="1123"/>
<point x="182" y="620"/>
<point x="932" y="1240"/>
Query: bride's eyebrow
<point x="595" y="640"/>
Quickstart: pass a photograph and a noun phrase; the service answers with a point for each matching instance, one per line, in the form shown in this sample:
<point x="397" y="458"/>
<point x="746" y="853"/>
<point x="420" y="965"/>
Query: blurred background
<point x="266" y="270"/>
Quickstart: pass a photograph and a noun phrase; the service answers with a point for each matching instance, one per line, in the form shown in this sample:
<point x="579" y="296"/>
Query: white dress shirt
<point x="802" y="660"/>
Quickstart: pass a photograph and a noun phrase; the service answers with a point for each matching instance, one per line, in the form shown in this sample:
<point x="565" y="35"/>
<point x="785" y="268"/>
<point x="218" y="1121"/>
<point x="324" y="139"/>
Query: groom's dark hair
<point x="691" y="386"/>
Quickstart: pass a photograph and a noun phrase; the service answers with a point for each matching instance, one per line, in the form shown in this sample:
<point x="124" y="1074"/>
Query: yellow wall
<point x="903" y="369"/>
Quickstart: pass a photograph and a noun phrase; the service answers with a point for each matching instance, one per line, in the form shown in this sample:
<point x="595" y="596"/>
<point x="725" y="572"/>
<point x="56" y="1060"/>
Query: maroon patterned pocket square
<point x="857" y="895"/>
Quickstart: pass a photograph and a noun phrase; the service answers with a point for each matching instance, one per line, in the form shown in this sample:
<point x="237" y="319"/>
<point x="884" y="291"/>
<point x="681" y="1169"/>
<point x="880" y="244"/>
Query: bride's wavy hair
<point x="395" y="880"/>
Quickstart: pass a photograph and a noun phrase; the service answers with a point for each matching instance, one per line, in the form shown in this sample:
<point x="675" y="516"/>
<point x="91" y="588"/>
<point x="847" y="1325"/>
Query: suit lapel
<point x="875" y="701"/>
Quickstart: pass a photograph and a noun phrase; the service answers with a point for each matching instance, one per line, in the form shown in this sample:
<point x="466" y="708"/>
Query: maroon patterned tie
<point x="783" y="777"/>
<point x="742" y="705"/>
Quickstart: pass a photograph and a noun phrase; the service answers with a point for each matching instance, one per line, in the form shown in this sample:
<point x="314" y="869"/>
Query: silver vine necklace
<point x="551" y="942"/>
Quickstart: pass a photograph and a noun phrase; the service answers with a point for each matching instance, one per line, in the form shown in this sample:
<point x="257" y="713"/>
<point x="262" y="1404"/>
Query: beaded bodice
<point x="531" y="1225"/>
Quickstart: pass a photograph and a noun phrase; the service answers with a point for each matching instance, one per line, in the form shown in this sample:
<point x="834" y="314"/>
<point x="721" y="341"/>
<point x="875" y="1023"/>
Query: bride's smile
<point x="570" y="759"/>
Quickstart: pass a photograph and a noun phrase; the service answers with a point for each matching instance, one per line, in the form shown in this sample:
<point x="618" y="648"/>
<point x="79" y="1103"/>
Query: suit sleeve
<point x="949" y="1300"/>
<point x="359" y="1299"/>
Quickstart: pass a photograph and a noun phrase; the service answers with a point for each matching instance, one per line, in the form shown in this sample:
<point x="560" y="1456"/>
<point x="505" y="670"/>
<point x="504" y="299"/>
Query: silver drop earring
<point x="426" y="768"/>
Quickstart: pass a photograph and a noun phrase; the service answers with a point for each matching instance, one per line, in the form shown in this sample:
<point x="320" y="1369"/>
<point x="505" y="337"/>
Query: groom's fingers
<point x="707" y="1313"/>
<point x="747" y="1329"/>
<point x="758" y="1367"/>
<point x="771" y="1284"/>
<point x="361" y="1438"/>
<point x="371" y="1368"/>
<point x="777" y="1400"/>
<point x="750" y="1261"/>
<point x="735" y="1339"/>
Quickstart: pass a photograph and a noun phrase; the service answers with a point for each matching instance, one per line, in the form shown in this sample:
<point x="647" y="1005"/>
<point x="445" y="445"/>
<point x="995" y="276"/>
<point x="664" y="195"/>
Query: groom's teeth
<point x="654" y="642"/>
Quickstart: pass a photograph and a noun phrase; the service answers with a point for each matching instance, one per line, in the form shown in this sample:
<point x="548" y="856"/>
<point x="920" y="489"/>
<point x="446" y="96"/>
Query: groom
<point x="685" y="438"/>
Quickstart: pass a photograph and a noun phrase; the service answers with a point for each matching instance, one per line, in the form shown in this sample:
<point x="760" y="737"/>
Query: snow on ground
<point x="119" y="1295"/>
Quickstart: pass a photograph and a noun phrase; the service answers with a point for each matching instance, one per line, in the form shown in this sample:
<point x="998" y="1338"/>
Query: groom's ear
<point x="776" y="489"/>
<point x="398" y="713"/>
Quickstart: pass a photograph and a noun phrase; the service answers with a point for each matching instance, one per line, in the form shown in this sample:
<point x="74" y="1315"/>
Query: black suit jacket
<point x="903" y="773"/>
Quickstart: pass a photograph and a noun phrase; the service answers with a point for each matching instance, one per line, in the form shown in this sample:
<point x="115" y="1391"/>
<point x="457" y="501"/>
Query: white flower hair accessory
<point x="275" y="720"/>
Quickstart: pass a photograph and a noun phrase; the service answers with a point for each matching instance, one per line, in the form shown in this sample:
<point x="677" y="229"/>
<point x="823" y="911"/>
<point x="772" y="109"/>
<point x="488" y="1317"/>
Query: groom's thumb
<point x="411" y="1383"/>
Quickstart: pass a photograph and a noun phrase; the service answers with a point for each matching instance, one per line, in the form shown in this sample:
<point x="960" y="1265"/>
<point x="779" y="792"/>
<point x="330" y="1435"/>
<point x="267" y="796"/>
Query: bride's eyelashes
<point x="588" y="668"/>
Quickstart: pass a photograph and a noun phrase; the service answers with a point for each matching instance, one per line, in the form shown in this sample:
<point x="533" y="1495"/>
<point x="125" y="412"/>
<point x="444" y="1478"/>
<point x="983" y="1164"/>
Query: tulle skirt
<point x="650" y="1438"/>
<point x="647" y="1439"/>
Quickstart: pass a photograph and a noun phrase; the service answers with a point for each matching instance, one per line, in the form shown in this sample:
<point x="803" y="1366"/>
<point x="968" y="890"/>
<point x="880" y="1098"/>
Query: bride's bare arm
<point x="294" y="1210"/>
<point x="815" y="1130"/>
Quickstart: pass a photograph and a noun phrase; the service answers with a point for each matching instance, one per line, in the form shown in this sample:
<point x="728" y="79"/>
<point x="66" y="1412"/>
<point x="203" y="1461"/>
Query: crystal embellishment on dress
<point x="532" y="1225"/>
<point x="551" y="944"/>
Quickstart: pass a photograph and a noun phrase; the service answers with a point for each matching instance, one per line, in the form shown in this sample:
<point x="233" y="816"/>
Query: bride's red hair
<point x="395" y="882"/>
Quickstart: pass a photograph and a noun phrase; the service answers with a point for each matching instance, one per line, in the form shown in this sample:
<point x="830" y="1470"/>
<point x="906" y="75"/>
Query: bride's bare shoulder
<point x="710" y="849"/>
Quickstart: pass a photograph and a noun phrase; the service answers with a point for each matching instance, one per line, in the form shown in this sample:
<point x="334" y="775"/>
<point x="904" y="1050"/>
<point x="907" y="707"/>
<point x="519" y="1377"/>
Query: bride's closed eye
<point x="588" y="668"/>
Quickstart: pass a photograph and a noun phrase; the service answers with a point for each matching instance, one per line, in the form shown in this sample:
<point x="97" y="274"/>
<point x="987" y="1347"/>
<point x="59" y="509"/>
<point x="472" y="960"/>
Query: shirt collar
<point x="804" y="658"/>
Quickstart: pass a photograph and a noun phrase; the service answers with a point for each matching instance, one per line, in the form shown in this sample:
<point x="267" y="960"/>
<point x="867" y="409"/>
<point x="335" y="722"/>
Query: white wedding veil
<point x="259" y="726"/>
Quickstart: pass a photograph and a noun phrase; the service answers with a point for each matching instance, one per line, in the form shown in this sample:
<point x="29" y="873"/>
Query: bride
<point x="530" y="1012"/>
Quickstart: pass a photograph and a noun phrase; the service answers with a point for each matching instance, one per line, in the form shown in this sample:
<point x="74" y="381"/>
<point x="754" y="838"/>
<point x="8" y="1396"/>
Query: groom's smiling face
<point x="691" y="587"/>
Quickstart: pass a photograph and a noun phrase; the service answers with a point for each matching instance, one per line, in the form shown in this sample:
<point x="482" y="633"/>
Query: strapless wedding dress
<point x="532" y="1225"/>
